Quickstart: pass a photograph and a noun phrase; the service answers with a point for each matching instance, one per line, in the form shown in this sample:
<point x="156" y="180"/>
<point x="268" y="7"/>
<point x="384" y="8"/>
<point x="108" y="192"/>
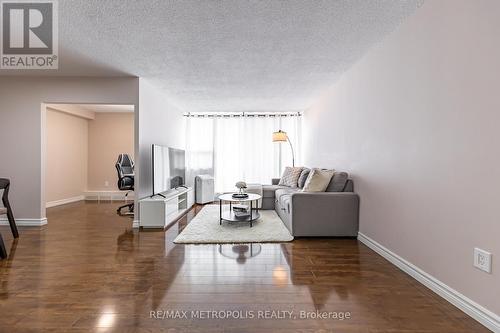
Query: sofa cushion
<point x="285" y="191"/>
<point x="290" y="176"/>
<point x="303" y="176"/>
<point x="268" y="191"/>
<point x="338" y="182"/>
<point x="285" y="202"/>
<point x="318" y="180"/>
<point x="284" y="195"/>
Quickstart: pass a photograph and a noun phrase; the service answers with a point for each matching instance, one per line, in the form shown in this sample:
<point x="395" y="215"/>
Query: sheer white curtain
<point x="199" y="148"/>
<point x="233" y="148"/>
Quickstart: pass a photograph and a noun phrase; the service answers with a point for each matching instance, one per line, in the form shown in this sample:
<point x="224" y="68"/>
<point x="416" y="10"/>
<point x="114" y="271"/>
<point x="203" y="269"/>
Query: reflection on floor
<point x="89" y="271"/>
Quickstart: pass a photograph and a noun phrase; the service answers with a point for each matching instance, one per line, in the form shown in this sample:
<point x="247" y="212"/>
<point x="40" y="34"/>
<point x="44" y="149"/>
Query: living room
<point x="297" y="166"/>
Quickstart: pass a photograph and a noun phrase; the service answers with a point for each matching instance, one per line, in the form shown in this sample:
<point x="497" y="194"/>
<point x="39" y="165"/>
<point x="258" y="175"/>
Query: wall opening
<point x="80" y="147"/>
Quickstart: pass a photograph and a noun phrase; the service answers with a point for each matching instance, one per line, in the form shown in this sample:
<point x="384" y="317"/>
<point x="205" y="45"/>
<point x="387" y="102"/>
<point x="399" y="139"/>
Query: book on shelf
<point x="241" y="213"/>
<point x="240" y="208"/>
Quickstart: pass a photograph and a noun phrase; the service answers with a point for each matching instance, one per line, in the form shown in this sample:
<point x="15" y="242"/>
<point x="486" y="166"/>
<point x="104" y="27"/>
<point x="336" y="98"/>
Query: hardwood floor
<point x="89" y="271"/>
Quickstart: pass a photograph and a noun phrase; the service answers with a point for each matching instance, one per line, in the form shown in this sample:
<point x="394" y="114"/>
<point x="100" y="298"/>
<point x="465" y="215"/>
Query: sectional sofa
<point x="334" y="212"/>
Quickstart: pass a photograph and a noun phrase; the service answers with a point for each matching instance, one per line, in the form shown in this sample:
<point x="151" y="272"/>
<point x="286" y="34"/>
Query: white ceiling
<point x="90" y="109"/>
<point x="225" y="55"/>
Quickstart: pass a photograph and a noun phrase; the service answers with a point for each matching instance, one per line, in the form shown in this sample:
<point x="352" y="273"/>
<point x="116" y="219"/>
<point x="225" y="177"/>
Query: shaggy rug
<point x="205" y="229"/>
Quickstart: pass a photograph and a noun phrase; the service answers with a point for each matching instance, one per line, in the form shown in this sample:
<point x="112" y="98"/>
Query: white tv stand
<point x="160" y="212"/>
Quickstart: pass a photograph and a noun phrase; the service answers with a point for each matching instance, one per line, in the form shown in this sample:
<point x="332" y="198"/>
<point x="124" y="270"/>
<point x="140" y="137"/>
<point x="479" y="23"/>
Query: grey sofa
<point x="334" y="212"/>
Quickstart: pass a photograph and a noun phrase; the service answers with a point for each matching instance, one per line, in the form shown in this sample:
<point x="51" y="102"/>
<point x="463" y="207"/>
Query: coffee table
<point x="229" y="216"/>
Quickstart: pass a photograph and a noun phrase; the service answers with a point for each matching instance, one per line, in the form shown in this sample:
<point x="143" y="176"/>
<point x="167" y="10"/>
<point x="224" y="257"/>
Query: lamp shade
<point x="280" y="136"/>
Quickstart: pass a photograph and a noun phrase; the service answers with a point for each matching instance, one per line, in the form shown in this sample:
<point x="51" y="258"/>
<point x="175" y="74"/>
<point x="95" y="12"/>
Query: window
<point x="234" y="147"/>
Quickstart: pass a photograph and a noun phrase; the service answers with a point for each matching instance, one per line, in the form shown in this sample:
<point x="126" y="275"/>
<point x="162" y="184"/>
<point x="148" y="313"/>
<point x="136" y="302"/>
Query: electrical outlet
<point x="482" y="260"/>
<point x="106" y="183"/>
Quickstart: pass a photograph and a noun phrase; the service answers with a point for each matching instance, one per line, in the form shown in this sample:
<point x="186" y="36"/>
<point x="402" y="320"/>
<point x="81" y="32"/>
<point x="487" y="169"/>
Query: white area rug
<point x="205" y="229"/>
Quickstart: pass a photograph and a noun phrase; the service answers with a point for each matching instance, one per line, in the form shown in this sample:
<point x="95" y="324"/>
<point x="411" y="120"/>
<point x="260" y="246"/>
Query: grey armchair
<point x="7" y="210"/>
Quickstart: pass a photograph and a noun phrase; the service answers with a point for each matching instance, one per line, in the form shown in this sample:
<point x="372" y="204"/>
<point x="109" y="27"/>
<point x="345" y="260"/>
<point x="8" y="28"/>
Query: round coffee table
<point x="230" y="216"/>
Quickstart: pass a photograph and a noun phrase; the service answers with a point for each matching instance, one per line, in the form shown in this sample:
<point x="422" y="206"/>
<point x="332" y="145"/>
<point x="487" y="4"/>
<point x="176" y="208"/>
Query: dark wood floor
<point x="89" y="271"/>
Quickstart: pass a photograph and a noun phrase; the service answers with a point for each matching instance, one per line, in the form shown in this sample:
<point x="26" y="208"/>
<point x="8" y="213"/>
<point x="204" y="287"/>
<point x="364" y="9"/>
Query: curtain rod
<point x="241" y="114"/>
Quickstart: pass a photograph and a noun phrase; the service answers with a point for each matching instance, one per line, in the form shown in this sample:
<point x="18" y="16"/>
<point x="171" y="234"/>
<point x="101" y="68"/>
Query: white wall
<point x="416" y="124"/>
<point x="159" y="123"/>
<point x="22" y="122"/>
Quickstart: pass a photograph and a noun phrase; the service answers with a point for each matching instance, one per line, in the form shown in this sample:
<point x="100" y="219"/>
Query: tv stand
<point x="162" y="210"/>
<point x="154" y="195"/>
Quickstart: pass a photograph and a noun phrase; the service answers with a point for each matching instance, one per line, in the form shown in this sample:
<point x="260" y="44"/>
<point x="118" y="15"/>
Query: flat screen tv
<point x="169" y="168"/>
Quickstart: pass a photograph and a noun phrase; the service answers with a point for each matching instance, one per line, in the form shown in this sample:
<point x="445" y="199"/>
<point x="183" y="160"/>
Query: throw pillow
<point x="318" y="180"/>
<point x="290" y="176"/>
<point x="303" y="176"/>
<point x="338" y="182"/>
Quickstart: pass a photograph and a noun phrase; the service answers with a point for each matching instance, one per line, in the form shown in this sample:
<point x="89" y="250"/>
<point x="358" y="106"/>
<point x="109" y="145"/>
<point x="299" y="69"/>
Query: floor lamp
<point x="281" y="136"/>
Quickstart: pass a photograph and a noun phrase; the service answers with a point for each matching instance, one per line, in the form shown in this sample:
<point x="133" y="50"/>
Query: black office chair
<point x="7" y="210"/>
<point x="125" y="168"/>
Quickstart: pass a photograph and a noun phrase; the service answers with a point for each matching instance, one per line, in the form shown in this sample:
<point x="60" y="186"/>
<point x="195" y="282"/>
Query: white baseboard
<point x="136" y="224"/>
<point x="64" y="201"/>
<point x="108" y="195"/>
<point x="476" y="311"/>
<point x="25" y="222"/>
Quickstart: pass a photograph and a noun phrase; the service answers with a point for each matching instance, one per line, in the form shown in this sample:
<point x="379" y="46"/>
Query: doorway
<point x="82" y="145"/>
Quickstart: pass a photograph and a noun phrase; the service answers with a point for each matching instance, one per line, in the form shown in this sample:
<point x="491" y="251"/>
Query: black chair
<point x="125" y="168"/>
<point x="7" y="210"/>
